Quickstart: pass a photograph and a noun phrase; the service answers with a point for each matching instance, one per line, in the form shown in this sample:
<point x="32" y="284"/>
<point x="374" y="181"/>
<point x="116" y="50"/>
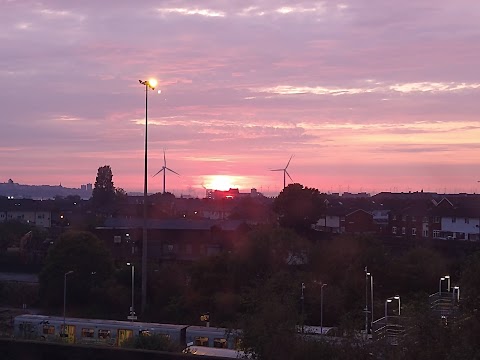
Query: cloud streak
<point x="366" y="91"/>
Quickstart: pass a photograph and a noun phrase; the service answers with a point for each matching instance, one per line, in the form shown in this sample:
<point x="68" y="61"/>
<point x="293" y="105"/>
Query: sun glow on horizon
<point x="221" y="182"/>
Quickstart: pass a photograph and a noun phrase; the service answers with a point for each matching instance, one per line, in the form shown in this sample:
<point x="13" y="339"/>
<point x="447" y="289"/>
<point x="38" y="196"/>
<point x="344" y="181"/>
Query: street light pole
<point x="65" y="299"/>
<point x="321" y="308"/>
<point x="148" y="84"/>
<point x="399" y="307"/>
<point x="132" y="308"/>
<point x="366" y="300"/>
<point x="302" y="298"/>
<point x="371" y="301"/>
<point x="386" y="310"/>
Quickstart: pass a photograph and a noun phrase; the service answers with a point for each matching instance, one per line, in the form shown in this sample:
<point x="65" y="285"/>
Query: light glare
<point x="153" y="83"/>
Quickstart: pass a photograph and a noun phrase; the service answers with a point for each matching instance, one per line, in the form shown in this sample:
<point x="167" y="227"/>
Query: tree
<point x="299" y="207"/>
<point x="103" y="194"/>
<point x="470" y="283"/>
<point x="271" y="317"/>
<point x="85" y="255"/>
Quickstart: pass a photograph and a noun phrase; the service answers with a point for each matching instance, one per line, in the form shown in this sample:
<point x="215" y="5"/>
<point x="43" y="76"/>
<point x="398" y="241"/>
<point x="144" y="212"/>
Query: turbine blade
<point x="164" y="159"/>
<point x="158" y="172"/>
<point x="278" y="170"/>
<point x="288" y="162"/>
<point x="286" y="172"/>
<point x="172" y="171"/>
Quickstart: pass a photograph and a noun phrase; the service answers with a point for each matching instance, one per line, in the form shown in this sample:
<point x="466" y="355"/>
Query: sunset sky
<point x="368" y="95"/>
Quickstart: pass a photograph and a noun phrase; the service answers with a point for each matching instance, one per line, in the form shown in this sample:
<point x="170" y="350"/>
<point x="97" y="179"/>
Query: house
<point x="170" y="239"/>
<point x="342" y="218"/>
<point x="28" y="211"/>
<point x="459" y="219"/>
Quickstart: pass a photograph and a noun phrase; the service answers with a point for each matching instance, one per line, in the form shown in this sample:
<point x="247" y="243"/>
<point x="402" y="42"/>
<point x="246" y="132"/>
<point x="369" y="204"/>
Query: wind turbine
<point x="164" y="169"/>
<point x="285" y="172"/>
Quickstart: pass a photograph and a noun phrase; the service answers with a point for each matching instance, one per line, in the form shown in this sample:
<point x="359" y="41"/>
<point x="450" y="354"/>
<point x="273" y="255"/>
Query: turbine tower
<point x="285" y="173"/>
<point x="164" y="169"/>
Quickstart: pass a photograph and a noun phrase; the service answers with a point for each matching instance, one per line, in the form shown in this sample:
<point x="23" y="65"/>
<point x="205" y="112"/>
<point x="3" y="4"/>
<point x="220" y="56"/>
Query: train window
<point x="220" y="343"/>
<point x="166" y="336"/>
<point x="144" y="333"/>
<point x="88" y="333"/>
<point x="48" y="329"/>
<point x="104" y="334"/>
<point x="201" y="341"/>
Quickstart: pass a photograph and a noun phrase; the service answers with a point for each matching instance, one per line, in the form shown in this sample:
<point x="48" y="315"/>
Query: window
<point x="394" y="217"/>
<point x="467" y="220"/>
<point x="454" y="220"/>
<point x="201" y="341"/>
<point x="414" y="218"/>
<point x="90" y="333"/>
<point x="144" y="333"/>
<point x="404" y="217"/>
<point x="403" y="230"/>
<point x="104" y="334"/>
<point x="414" y="231"/>
<point x="425" y="219"/>
<point x="117" y="239"/>
<point x="425" y="233"/>
<point x="436" y="233"/>
<point x="436" y="219"/>
<point x="48" y="329"/>
<point x="220" y="343"/>
<point x="394" y="229"/>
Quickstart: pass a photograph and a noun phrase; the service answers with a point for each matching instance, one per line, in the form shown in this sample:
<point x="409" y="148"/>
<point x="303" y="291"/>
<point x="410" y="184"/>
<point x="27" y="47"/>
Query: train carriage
<point x="114" y="333"/>
<point x="212" y="337"/>
<point x="92" y="331"/>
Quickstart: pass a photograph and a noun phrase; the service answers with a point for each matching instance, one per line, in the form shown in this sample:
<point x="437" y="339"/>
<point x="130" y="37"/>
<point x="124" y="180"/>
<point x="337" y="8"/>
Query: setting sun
<point x="220" y="182"/>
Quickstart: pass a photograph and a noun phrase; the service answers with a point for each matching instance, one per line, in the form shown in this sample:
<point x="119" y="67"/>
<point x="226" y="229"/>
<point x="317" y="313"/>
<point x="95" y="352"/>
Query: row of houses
<point x="29" y="211"/>
<point x="420" y="215"/>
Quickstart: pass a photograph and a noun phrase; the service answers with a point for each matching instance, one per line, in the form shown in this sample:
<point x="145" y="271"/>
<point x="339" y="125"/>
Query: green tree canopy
<point x="85" y="255"/>
<point x="299" y="207"/>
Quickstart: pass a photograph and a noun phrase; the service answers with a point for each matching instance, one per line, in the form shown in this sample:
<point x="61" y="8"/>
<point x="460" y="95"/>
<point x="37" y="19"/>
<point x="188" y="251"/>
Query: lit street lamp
<point x="389" y="300"/>
<point x="456" y="290"/>
<point x="132" y="316"/>
<point x="446" y="277"/>
<point x="149" y="84"/>
<point x="65" y="300"/>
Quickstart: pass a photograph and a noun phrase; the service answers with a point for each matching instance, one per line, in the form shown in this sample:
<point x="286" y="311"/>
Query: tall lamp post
<point x="321" y="308"/>
<point x="65" y="300"/>
<point x="149" y="84"/>
<point x="132" y="316"/>
<point x="302" y="298"/>
<point x="367" y="275"/>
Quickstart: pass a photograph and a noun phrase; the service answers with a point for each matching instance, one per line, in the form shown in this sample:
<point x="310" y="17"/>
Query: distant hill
<point x="16" y="190"/>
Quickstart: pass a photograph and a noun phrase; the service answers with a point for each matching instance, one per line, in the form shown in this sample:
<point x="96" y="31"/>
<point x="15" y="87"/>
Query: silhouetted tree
<point x="103" y="194"/>
<point x="299" y="207"/>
